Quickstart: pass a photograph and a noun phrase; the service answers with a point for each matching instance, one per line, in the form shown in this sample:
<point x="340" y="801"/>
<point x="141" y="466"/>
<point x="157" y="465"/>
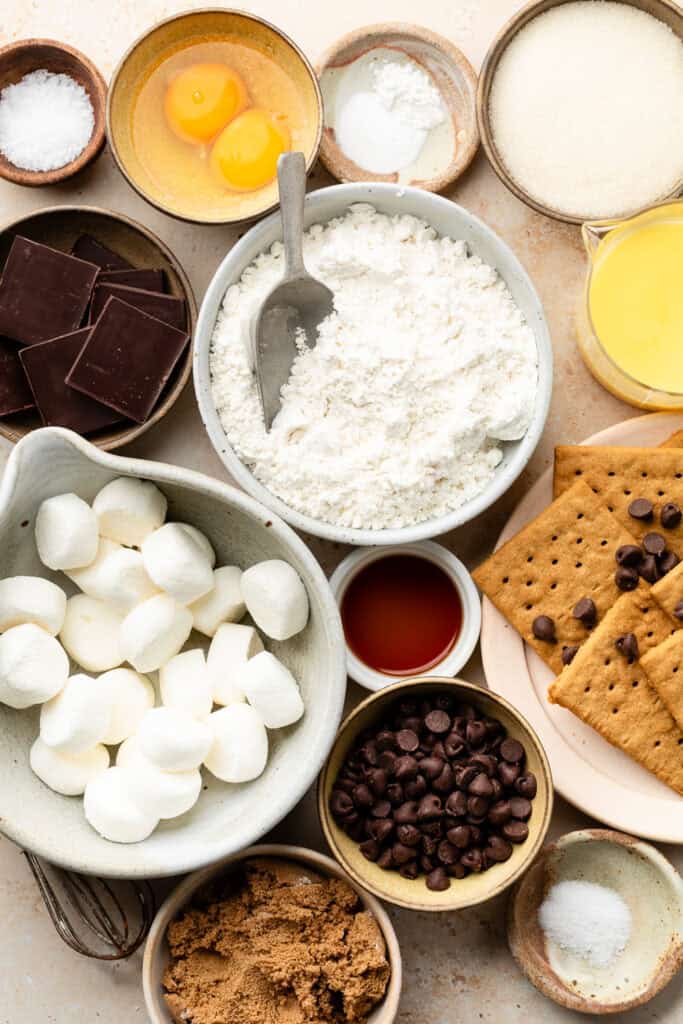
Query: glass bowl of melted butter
<point x="201" y="107"/>
<point x="630" y="315"/>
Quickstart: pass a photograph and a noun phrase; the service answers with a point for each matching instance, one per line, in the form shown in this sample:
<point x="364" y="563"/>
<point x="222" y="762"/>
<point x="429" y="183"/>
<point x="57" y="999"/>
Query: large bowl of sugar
<point x="227" y="817"/>
<point x="449" y="221"/>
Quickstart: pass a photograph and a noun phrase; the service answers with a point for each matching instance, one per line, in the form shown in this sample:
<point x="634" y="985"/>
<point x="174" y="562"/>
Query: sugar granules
<point x="46" y="121"/>
<point x="589" y="920"/>
<point x="586" y="108"/>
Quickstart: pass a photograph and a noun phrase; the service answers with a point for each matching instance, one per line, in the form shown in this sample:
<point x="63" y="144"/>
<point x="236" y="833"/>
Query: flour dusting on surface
<point x="396" y="414"/>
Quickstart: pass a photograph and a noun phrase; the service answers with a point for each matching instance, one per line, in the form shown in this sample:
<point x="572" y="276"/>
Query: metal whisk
<point x="105" y="920"/>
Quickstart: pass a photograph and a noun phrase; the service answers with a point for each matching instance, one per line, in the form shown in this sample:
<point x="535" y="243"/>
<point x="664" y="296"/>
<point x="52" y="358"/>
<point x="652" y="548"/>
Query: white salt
<point x="586" y="108"/>
<point x="588" y="920"/>
<point x="46" y="121"/>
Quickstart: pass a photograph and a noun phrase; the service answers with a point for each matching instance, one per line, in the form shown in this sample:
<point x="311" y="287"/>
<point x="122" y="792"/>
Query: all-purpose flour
<point x="395" y="415"/>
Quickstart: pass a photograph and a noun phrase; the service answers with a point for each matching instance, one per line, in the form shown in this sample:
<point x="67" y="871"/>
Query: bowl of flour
<point x="429" y="385"/>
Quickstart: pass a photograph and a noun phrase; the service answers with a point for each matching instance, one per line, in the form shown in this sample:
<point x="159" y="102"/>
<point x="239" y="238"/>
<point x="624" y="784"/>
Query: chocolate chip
<point x="447" y="853"/>
<point x="362" y="797"/>
<point x="453" y="745"/>
<point x="406" y="814"/>
<point x="678" y="611"/>
<point x="512" y="750"/>
<point x="377" y="781"/>
<point x="405" y="768"/>
<point x="380" y="829"/>
<point x="508" y="773"/>
<point x="456" y="870"/>
<point x="473" y="860"/>
<point x="654" y="544"/>
<point x="486" y="762"/>
<point x="407" y="741"/>
<point x="438" y="722"/>
<point x="586" y="612"/>
<point x="500" y="812"/>
<point x="520" y="807"/>
<point x="426" y="862"/>
<point x="480" y="785"/>
<point x="475" y="733"/>
<point x="477" y="806"/>
<point x="649" y="569"/>
<point x="464" y="775"/>
<point x="459" y="836"/>
<point x="515" y="831"/>
<point x="670" y="516"/>
<point x="387" y="760"/>
<point x="456" y="804"/>
<point x="569" y="652"/>
<point x="498" y="850"/>
<point x="526" y="785"/>
<point x="385" y="740"/>
<point x="668" y="561"/>
<point x="543" y="628"/>
<point x="416" y="788"/>
<point x="627" y="644"/>
<point x="395" y="794"/>
<point x="382" y="809"/>
<point x="341" y="804"/>
<point x="641" y="509"/>
<point x="444" y="783"/>
<point x="431" y="767"/>
<point x="385" y="859"/>
<point x="402" y="854"/>
<point x="626" y="578"/>
<point x="629" y="555"/>
<point x="430" y="806"/>
<point x="410" y="870"/>
<point x="409" y="835"/>
<point x="370" y="849"/>
<point x="437" y="880"/>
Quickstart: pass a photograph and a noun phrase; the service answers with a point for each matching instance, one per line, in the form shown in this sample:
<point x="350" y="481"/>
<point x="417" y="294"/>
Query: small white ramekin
<point x="370" y="678"/>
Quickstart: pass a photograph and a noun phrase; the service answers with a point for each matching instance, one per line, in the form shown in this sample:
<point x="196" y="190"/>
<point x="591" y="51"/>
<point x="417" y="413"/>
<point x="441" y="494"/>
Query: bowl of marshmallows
<point x="171" y="662"/>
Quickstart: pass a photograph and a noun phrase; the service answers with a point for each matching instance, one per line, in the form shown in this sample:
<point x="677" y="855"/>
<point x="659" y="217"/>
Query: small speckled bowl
<point x="451" y="72"/>
<point x="413" y="894"/>
<point x="156" y="948"/>
<point x="178" y="31"/>
<point x="650" y="886"/>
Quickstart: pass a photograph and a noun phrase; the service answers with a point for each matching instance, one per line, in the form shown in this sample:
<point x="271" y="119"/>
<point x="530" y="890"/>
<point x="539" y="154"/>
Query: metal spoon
<point x="297" y="305"/>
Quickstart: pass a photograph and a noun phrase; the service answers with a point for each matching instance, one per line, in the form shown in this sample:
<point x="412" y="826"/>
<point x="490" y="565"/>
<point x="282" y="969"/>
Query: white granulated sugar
<point x="587" y="108"/>
<point x="46" y="121"/>
<point x="394" y="416"/>
<point x="586" y="919"/>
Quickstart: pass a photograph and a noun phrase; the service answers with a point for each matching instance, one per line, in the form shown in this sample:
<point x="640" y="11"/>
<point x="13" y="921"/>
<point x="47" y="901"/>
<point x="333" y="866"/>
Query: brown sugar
<point x="275" y="943"/>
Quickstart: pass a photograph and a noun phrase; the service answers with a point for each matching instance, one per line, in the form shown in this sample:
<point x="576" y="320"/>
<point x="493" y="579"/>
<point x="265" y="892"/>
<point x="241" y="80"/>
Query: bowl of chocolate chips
<point x="437" y="794"/>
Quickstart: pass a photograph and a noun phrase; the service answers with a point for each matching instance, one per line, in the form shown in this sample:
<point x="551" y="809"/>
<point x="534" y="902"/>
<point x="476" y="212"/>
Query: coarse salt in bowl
<point x="449" y="220"/>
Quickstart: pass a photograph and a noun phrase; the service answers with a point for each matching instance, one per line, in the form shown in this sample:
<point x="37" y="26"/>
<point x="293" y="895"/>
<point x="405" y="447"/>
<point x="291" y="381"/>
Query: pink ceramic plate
<point x="587" y="771"/>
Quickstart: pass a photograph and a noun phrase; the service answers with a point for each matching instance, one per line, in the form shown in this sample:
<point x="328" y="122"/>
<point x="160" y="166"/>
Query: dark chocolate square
<point x="15" y="393"/>
<point x="168" y="308"/>
<point x="127" y="359"/>
<point x="152" y="280"/>
<point x="88" y="248"/>
<point x="43" y="292"/>
<point x="47" y="366"/>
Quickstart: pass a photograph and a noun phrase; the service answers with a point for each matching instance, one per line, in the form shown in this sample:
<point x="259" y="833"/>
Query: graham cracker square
<point x="664" y="667"/>
<point x="620" y="475"/>
<point x="668" y="591"/>
<point x="675" y="441"/>
<point x="616" y="697"/>
<point x="565" y="554"/>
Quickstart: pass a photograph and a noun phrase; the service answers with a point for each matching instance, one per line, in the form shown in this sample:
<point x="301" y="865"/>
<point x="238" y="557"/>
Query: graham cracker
<point x="616" y="698"/>
<point x="664" y="667"/>
<point x="675" y="441"/>
<point x="565" y="554"/>
<point x="668" y="591"/>
<point x="620" y="475"/>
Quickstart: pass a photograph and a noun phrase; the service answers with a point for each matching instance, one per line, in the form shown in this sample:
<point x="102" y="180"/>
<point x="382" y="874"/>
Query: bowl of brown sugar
<point x="275" y="933"/>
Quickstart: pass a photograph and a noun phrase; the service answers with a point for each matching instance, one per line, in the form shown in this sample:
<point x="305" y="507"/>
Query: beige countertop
<point x="456" y="966"/>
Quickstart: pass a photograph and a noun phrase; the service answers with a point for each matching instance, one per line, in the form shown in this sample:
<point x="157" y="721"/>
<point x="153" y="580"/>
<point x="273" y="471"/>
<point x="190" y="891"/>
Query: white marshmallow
<point x="67" y="774"/>
<point x="230" y="649"/>
<point x="239" y="751"/>
<point x="31" y="599"/>
<point x="222" y="604"/>
<point x="112" y="809"/>
<point x="77" y="718"/>
<point x="129" y="510"/>
<point x="275" y="598"/>
<point x="185" y="683"/>
<point x="201" y="539"/>
<point x="90" y="633"/>
<point x="117" y="577"/>
<point x="272" y="689"/>
<point x="177" y="563"/>
<point x="33" y="666"/>
<point x="66" y="532"/>
<point x="154" y="631"/>
<point x="130" y="695"/>
<point x="173" y="740"/>
<point x="163" y="794"/>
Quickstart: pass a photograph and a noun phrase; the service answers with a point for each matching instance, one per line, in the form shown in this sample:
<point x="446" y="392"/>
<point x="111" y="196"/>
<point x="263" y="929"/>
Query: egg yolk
<point x="245" y="154"/>
<point x="201" y="100"/>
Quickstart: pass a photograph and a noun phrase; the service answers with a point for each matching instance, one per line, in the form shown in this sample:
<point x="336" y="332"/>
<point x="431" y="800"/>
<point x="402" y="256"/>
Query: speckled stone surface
<point x="457" y="967"/>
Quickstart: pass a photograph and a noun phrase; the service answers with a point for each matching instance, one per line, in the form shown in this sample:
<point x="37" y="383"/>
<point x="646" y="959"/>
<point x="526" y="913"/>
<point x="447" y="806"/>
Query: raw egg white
<point x="245" y="154"/>
<point x="201" y="100"/>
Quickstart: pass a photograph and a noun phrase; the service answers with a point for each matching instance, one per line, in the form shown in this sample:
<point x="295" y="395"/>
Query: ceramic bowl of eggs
<point x="201" y="107"/>
<point x="171" y="662"/>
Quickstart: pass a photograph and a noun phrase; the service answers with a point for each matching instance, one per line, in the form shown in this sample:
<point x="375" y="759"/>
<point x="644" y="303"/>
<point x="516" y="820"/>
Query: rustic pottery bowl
<point x="667" y="11"/>
<point x="19" y="59"/>
<point x="59" y="227"/>
<point x="453" y="75"/>
<point x="156" y="949"/>
<point x="413" y="894"/>
<point x="650" y="886"/>
<point x="167" y="36"/>
<point x="226" y="818"/>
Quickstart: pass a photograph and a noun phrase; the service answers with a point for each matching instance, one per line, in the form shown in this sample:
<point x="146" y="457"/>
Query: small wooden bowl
<point x="19" y="59"/>
<point x="453" y="75"/>
<point x="413" y="894"/>
<point x="665" y="10"/>
<point x="651" y="887"/>
<point x="59" y="227"/>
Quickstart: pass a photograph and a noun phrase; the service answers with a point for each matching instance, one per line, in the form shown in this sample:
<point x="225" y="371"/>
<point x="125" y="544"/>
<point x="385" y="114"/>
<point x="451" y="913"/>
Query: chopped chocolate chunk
<point x="628" y="646"/>
<point x="586" y="612"/>
<point x="641" y="509"/>
<point x="629" y="555"/>
<point x="15" y="393"/>
<point x="88" y="248"/>
<point x="626" y="578"/>
<point x="543" y="628"/>
<point x="168" y="308"/>
<point x="654" y="544"/>
<point x="670" y="516"/>
<point x="569" y="652"/>
<point x="151" y="280"/>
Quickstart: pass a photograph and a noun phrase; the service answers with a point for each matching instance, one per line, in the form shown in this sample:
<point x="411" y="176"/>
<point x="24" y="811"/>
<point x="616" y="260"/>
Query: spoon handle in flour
<point x="291" y="177"/>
